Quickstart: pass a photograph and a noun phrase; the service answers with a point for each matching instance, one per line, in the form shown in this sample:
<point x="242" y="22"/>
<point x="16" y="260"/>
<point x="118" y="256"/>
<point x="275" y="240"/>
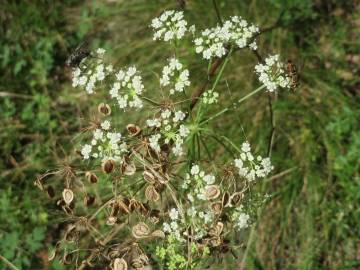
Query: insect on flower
<point x="293" y="74"/>
<point x="79" y="54"/>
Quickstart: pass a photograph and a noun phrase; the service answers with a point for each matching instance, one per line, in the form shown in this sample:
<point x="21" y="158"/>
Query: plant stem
<point x="8" y="263"/>
<point x="229" y="108"/>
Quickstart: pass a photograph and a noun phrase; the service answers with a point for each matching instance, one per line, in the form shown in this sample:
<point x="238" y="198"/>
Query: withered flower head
<point x="104" y="109"/>
<point x="158" y="234"/>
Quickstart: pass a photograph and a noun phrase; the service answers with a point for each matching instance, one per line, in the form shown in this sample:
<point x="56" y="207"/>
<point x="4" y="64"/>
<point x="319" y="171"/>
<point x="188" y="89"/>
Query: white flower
<point x="272" y="73"/>
<point x="169" y="26"/>
<point x="105" y="144"/>
<point x="251" y="168"/>
<point x="86" y="150"/>
<point x="235" y="32"/>
<point x="173" y="74"/>
<point x="100" y="51"/>
<point x="105" y="125"/>
<point x="195" y="169"/>
<point x="242" y="221"/>
<point x="174" y="214"/>
<point x="127" y="88"/>
<point x="210" y="97"/>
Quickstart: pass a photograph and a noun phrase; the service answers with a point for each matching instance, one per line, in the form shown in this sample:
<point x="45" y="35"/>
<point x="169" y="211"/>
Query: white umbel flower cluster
<point x="240" y="218"/>
<point x="235" y="32"/>
<point x="210" y="97"/>
<point x="199" y="182"/>
<point x="127" y="88"/>
<point x="92" y="73"/>
<point x="104" y="144"/>
<point x="272" y="73"/>
<point x="170" y="129"/>
<point x="251" y="167"/>
<point x="174" y="226"/>
<point x="175" y="75"/>
<point x="169" y="26"/>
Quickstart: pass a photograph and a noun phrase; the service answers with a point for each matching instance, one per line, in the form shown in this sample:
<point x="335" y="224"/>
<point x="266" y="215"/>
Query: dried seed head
<point x="50" y="191"/>
<point x="212" y="192"/>
<point x="68" y="195"/>
<point x="154" y="216"/>
<point x="215" y="241"/>
<point x="133" y="130"/>
<point x="158" y="234"/>
<point x="120" y="264"/>
<point x="67" y="258"/>
<point x="91" y="177"/>
<point x="111" y="220"/>
<point x="108" y="166"/>
<point x="140" y="261"/>
<point x="104" y="109"/>
<point x="151" y="194"/>
<point x="149" y="177"/>
<point x="140" y="230"/>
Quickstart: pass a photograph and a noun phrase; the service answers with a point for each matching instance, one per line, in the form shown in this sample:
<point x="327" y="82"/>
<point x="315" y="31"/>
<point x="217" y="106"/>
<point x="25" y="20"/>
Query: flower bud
<point x="104" y="109"/>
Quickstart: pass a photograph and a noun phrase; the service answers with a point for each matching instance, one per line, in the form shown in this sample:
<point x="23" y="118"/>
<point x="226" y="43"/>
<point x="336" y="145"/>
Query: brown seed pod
<point x="133" y="205"/>
<point x="154" y="216"/>
<point x="89" y="200"/>
<point x="68" y="195"/>
<point x="120" y="264"/>
<point x="151" y="194"/>
<point x="108" y="166"/>
<point x="215" y="241"/>
<point x="91" y="177"/>
<point x="158" y="234"/>
<point x="140" y="261"/>
<point x="104" y="109"/>
<point x="149" y="177"/>
<point x="50" y="191"/>
<point x="133" y="130"/>
<point x="212" y="192"/>
<point x="140" y="230"/>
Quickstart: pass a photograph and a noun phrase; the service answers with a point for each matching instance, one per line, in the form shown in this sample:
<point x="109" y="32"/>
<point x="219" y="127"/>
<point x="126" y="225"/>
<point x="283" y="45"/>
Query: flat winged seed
<point x="158" y="233"/>
<point x="130" y="169"/>
<point x="216" y="207"/>
<point x="149" y="177"/>
<point x="140" y="230"/>
<point x="120" y="264"/>
<point x="133" y="129"/>
<point x="151" y="194"/>
<point x="104" y="109"/>
<point x="91" y="177"/>
<point x="212" y="192"/>
<point x="68" y="195"/>
<point x="108" y="166"/>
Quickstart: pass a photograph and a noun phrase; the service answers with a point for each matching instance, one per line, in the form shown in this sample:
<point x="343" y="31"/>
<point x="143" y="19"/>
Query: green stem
<point x="8" y="263"/>
<point x="239" y="101"/>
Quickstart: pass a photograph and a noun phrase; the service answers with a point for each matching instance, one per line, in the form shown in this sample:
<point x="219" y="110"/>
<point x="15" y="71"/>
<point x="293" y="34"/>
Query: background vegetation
<point x="313" y="220"/>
